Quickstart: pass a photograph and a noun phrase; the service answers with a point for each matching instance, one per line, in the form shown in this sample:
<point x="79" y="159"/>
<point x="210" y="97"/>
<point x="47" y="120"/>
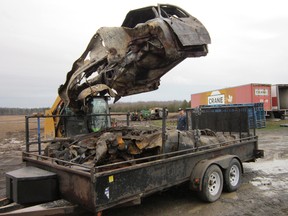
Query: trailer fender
<point x="200" y="168"/>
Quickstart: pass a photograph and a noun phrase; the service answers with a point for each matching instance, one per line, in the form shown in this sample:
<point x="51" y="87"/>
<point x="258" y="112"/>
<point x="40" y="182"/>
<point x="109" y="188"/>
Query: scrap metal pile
<point x="127" y="143"/>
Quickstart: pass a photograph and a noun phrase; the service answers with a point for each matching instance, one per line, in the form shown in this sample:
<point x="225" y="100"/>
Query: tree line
<point x="172" y="106"/>
<point x="20" y="111"/>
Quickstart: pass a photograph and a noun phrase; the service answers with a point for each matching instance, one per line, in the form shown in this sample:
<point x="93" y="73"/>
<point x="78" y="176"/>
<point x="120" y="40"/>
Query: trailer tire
<point x="233" y="176"/>
<point x="212" y="184"/>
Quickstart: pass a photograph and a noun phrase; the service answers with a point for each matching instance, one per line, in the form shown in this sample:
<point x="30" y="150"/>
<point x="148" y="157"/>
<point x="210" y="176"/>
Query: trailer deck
<point x="97" y="189"/>
<point x="105" y="186"/>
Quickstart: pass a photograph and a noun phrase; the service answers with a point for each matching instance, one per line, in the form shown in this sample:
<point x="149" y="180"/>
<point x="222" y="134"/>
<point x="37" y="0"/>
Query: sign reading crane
<point x="216" y="98"/>
<point x="261" y="92"/>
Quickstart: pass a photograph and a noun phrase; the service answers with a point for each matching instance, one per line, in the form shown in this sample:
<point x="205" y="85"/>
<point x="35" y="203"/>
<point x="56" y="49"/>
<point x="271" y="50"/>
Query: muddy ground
<point x="264" y="189"/>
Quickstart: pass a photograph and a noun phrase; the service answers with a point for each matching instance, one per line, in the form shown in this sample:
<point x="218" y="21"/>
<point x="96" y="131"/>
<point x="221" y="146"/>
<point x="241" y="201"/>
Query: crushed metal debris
<point x="126" y="143"/>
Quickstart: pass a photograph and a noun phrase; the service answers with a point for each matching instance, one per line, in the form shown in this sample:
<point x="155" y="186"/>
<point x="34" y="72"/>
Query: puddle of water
<point x="261" y="181"/>
<point x="271" y="179"/>
<point x="273" y="167"/>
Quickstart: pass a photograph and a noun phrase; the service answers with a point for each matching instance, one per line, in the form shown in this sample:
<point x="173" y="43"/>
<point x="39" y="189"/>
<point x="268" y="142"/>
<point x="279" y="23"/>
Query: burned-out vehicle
<point x="132" y="58"/>
<point x="96" y="166"/>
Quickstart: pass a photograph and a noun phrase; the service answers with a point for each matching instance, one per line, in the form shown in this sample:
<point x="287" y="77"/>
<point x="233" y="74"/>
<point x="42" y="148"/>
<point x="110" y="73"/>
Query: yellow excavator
<point x="64" y="122"/>
<point x="122" y="61"/>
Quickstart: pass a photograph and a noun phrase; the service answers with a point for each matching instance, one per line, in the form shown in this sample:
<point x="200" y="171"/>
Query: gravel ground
<point x="264" y="189"/>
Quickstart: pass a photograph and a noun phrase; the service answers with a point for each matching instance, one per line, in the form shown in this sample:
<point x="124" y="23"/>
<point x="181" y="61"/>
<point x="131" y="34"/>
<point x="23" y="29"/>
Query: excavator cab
<point x="95" y="118"/>
<point x="99" y="115"/>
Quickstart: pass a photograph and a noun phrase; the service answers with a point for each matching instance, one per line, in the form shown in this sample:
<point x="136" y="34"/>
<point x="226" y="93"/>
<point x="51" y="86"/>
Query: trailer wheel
<point x="232" y="176"/>
<point x="212" y="184"/>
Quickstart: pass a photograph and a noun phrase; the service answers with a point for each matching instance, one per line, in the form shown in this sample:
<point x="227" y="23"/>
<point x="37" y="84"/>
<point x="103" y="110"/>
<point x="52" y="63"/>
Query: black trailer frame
<point x="106" y="186"/>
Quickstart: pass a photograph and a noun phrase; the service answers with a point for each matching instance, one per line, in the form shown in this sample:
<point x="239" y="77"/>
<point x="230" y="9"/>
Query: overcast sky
<point x="40" y="40"/>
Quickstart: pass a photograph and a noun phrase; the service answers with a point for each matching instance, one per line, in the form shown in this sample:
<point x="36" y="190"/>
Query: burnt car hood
<point x="132" y="58"/>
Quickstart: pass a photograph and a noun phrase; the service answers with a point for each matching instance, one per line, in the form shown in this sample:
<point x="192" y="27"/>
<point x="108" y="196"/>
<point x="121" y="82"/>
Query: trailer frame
<point x="102" y="187"/>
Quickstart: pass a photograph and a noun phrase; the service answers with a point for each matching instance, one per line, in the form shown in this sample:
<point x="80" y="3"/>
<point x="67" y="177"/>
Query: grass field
<point x="11" y="125"/>
<point x="275" y="125"/>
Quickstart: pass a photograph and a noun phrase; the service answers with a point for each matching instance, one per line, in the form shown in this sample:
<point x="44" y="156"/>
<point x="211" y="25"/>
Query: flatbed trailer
<point x="208" y="169"/>
<point x="100" y="190"/>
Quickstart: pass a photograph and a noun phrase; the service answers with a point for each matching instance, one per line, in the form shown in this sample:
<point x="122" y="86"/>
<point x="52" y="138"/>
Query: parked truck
<point x="279" y="93"/>
<point x="273" y="97"/>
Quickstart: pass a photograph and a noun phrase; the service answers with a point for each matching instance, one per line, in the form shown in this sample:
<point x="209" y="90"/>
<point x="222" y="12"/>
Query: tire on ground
<point x="233" y="176"/>
<point x="212" y="184"/>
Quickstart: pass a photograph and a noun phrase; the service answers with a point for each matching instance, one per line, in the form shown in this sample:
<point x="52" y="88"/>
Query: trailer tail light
<point x="196" y="183"/>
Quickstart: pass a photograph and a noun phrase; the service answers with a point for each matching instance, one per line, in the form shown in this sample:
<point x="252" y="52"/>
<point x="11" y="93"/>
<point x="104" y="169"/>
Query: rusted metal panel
<point x="187" y="28"/>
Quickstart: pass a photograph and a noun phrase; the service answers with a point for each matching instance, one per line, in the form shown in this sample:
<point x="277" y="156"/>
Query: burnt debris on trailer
<point x="127" y="143"/>
<point x="120" y="144"/>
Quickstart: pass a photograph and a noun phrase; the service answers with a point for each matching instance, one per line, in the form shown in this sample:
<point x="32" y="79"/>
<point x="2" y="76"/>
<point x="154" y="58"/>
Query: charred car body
<point x="153" y="40"/>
